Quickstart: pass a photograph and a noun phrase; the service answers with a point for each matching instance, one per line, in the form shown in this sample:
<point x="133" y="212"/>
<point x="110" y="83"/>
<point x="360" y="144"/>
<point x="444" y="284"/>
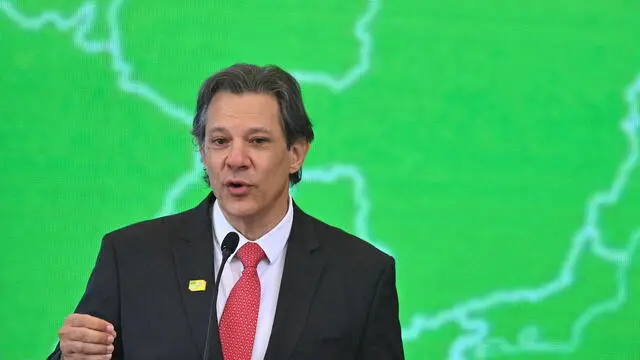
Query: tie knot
<point x="250" y="254"/>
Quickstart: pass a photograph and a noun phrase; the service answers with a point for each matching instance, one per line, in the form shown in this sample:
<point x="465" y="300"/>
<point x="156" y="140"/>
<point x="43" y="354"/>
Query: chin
<point x="238" y="208"/>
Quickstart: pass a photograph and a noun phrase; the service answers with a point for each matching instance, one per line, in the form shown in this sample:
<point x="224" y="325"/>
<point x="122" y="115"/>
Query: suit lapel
<point x="193" y="254"/>
<point x="302" y="270"/>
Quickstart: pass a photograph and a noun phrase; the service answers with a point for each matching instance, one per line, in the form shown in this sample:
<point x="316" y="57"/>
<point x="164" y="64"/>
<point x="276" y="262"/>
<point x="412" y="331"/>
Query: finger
<point x="88" y="336"/>
<point x="88" y="321"/>
<point x="87" y="357"/>
<point x="80" y="348"/>
<point x="111" y="330"/>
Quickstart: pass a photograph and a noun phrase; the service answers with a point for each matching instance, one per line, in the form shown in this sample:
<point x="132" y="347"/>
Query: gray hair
<point x="271" y="80"/>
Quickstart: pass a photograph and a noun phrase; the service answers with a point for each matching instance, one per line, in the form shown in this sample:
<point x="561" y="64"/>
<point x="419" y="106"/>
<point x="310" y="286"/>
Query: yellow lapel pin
<point x="197" y="285"/>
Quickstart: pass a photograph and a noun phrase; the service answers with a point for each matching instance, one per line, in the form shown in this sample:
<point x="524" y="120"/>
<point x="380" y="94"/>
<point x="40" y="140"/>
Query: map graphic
<point x="491" y="148"/>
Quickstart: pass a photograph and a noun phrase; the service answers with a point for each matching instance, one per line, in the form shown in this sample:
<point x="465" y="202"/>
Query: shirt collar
<point x="273" y="242"/>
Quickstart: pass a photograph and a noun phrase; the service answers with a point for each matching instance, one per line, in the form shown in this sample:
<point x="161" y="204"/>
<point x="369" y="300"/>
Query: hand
<point x="86" y="337"/>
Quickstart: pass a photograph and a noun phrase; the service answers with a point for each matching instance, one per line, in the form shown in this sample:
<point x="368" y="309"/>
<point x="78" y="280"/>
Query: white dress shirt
<point x="274" y="244"/>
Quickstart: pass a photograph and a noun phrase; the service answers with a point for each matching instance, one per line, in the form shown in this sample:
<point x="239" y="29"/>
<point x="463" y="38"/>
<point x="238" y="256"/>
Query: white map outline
<point x="475" y="341"/>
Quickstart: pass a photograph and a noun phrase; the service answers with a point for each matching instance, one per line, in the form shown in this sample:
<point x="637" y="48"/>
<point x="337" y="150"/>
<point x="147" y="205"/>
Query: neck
<point x="256" y="226"/>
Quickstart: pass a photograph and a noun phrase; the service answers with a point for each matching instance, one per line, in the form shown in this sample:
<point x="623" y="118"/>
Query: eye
<point x="259" y="140"/>
<point x="217" y="141"/>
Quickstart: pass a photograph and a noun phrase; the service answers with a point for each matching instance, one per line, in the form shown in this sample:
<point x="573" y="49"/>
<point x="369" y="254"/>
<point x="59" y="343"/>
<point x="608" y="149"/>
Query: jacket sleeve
<point x="382" y="337"/>
<point x="101" y="297"/>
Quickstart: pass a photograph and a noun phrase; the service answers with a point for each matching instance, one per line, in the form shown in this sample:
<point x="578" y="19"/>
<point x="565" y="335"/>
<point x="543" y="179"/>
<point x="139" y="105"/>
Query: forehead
<point x="243" y="110"/>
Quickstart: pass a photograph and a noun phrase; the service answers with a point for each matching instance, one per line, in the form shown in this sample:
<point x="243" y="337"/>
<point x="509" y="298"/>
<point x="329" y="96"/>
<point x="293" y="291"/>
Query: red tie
<point x="240" y="315"/>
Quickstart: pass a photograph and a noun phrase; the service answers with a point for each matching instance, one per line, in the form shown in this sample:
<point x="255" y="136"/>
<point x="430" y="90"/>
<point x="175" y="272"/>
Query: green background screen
<point x="490" y="147"/>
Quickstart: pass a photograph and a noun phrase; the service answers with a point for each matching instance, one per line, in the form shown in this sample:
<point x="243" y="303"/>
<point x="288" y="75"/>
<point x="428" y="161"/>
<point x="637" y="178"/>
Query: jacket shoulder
<point x="152" y="228"/>
<point x="348" y="247"/>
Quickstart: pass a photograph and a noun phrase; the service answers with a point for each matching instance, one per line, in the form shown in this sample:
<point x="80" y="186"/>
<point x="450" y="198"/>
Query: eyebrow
<point x="258" y="129"/>
<point x="215" y="129"/>
<point x="251" y="131"/>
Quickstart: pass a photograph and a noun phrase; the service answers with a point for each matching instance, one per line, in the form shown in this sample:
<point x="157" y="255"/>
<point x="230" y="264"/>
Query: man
<point x="295" y="288"/>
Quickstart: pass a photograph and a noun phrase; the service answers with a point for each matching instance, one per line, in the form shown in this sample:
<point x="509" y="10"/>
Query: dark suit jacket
<point x="337" y="299"/>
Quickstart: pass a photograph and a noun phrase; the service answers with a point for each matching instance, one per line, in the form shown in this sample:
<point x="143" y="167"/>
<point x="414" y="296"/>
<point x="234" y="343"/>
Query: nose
<point x="237" y="156"/>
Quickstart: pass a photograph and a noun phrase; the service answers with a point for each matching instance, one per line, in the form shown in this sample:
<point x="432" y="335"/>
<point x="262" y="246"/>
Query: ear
<point x="202" y="154"/>
<point x="297" y="153"/>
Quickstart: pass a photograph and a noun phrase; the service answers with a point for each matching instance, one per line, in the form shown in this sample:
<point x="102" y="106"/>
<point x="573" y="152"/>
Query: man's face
<point x="246" y="157"/>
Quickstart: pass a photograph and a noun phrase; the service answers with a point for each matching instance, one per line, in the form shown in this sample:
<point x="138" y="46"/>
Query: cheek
<point x="212" y="167"/>
<point x="211" y="160"/>
<point x="278" y="166"/>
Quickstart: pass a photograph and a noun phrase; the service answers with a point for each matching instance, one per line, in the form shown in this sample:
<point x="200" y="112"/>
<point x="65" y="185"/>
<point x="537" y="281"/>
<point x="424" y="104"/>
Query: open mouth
<point x="237" y="187"/>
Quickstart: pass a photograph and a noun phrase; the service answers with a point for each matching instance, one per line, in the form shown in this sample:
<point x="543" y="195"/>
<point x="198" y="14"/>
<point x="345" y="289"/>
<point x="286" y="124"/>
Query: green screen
<point x="490" y="147"/>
